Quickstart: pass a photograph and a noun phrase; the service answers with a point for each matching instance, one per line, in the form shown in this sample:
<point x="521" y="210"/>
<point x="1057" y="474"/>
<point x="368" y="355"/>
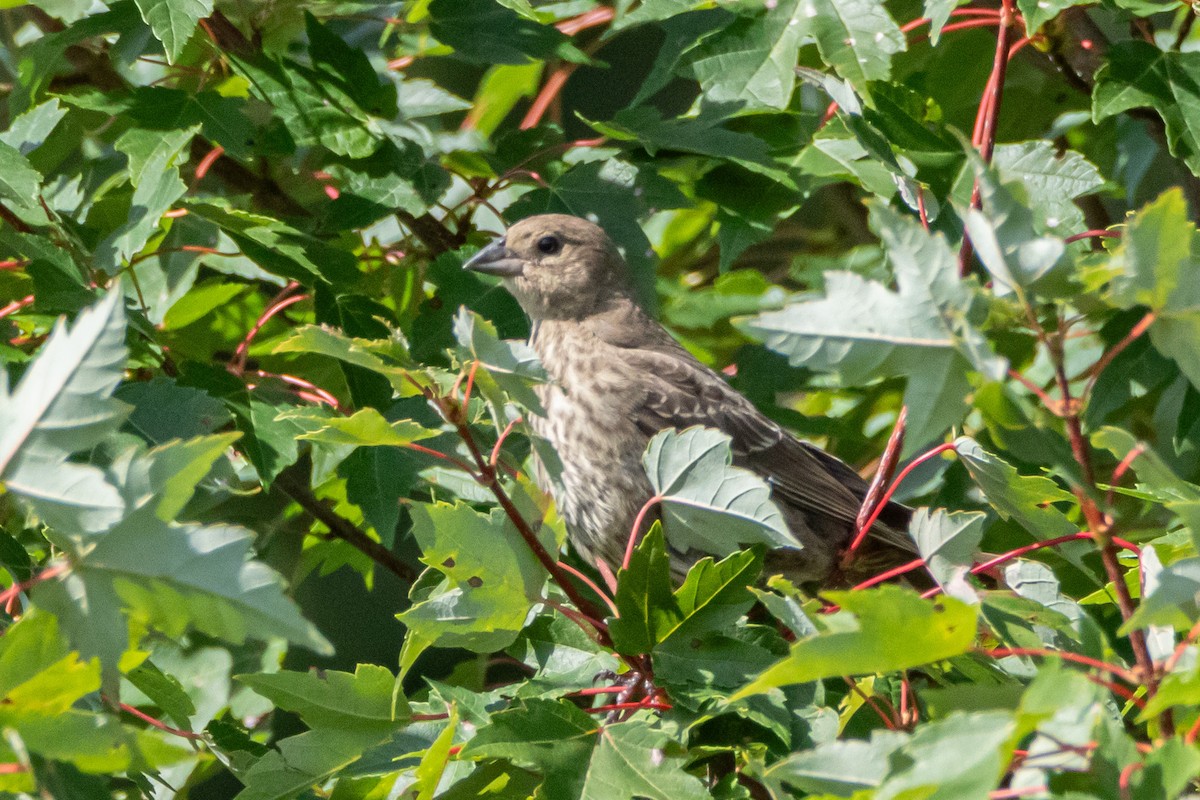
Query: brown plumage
<point x="618" y="378"/>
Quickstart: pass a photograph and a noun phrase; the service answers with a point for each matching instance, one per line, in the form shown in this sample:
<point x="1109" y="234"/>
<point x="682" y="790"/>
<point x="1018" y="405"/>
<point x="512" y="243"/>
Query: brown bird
<point x="618" y="378"/>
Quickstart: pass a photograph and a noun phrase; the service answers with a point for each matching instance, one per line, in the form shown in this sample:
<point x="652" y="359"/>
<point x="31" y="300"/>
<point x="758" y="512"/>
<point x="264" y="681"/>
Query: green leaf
<point x="1052" y="180"/>
<point x="513" y="366"/>
<point x="1155" y="478"/>
<point x="387" y="357"/>
<point x="174" y="576"/>
<point x="708" y="504"/>
<point x="645" y="603"/>
<point x="28" y="131"/>
<point x="173" y="21"/>
<point x="890" y="629"/>
<point x="164" y="691"/>
<point x="485" y="32"/>
<point x="840" y="767"/>
<point x="753" y="61"/>
<point x="1158" y="254"/>
<point x="958" y="758"/>
<point x="1025" y="499"/>
<point x="277" y="247"/>
<point x="561" y="653"/>
<point x="349" y="70"/>
<point x="154" y="173"/>
<point x="20" y="183"/>
<point x="64" y="404"/>
<point x="1038" y="12"/>
<point x="365" y="428"/>
<point x="310" y="108"/>
<point x="634" y="761"/>
<point x="555" y="738"/>
<point x="1005" y="236"/>
<point x="167" y="476"/>
<point x="304" y="761"/>
<point x="490" y="578"/>
<point x="1137" y="74"/>
<point x="1176" y="600"/>
<point x="863" y="330"/>
<point x="948" y="541"/>
<point x="365" y="699"/>
<point x="856" y="37"/>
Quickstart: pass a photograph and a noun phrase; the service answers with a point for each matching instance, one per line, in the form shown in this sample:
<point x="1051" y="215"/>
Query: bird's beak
<point x="496" y="259"/>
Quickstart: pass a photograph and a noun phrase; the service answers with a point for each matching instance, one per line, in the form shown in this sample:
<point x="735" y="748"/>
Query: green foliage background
<point x="255" y="419"/>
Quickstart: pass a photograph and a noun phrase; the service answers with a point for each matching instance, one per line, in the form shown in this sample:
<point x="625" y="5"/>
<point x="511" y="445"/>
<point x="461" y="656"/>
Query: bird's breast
<point x="589" y="419"/>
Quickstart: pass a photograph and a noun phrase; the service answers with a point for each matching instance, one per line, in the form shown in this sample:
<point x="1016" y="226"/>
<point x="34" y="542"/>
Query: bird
<point x="617" y="378"/>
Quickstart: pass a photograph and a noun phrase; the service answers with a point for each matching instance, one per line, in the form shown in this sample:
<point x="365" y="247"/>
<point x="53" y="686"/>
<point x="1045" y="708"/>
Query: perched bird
<point x="618" y="378"/>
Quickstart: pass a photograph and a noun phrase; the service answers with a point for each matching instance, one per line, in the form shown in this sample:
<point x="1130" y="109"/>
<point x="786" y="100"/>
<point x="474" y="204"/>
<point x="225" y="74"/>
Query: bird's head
<point x="557" y="266"/>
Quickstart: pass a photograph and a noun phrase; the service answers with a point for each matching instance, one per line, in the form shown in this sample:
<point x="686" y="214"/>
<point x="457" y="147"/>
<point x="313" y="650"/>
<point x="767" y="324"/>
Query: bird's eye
<point x="549" y="245"/>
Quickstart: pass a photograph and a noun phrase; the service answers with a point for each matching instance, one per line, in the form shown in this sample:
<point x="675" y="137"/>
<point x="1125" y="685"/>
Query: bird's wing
<point x="681" y="392"/>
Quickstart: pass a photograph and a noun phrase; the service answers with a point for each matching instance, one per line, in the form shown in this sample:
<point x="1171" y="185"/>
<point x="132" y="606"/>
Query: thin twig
<point x="984" y="136"/>
<point x="1136" y="331"/>
<point x="636" y="530"/>
<point x="884" y="472"/>
<point x="916" y="462"/>
<point x="1112" y="669"/>
<point x="342" y="528"/>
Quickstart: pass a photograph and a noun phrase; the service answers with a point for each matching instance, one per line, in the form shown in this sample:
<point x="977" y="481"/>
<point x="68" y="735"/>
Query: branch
<point x="341" y="527"/>
<point x="984" y="136"/>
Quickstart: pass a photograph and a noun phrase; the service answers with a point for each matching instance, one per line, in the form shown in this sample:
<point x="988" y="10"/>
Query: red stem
<point x="9" y="594"/>
<point x="495" y="455"/>
<point x="1050" y="403"/>
<point x="891" y="573"/>
<point x="1093" y="234"/>
<point x="1136" y="331"/>
<point x="546" y="95"/>
<point x="634" y="706"/>
<point x="1189" y="738"/>
<point x="588" y="19"/>
<point x="1120" y="471"/>
<point x="466" y="401"/>
<point x="207" y="162"/>
<point x="888" y="722"/>
<point x="591" y="584"/>
<point x="637" y="528"/>
<point x="278" y="303"/>
<point x="904" y="473"/>
<point x="885" y="470"/>
<point x="984" y="135"/>
<point x="15" y="305"/>
<point x="292" y="380"/>
<point x="162" y="726"/>
<point x="1113" y="669"/>
<point x="1126" y="776"/>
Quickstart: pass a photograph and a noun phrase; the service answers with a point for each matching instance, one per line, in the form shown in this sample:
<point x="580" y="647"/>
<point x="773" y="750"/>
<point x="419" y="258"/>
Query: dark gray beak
<point x="496" y="259"/>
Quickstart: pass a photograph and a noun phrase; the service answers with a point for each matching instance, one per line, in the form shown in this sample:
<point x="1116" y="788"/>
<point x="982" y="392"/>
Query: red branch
<point x="637" y="529"/>
<point x="904" y="473"/>
<point x="208" y="160"/>
<point x="1113" y="669"/>
<point x="984" y="134"/>
<point x="1093" y="234"/>
<point x="884" y="472"/>
<point x="162" y="726"/>
<point x="591" y="584"/>
<point x="11" y="593"/>
<point x="15" y="305"/>
<point x="657" y="705"/>
<point x="891" y="573"/>
<point x="277" y="304"/>
<point x="1137" y="330"/>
